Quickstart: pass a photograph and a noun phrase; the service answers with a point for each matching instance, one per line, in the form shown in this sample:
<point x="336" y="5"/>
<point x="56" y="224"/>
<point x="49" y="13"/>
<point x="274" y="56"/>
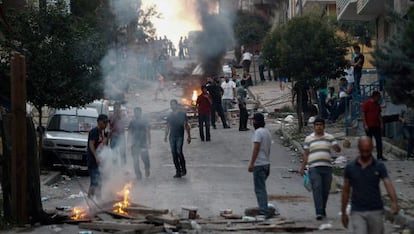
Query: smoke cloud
<point x="216" y="36"/>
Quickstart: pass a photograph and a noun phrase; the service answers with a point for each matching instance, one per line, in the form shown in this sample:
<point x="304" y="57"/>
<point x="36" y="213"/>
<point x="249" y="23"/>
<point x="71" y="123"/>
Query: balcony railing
<point x="342" y="4"/>
<point x="361" y="4"/>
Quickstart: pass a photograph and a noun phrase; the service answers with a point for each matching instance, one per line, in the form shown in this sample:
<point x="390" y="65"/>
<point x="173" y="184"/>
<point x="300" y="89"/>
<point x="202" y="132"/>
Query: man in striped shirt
<point x="317" y="154"/>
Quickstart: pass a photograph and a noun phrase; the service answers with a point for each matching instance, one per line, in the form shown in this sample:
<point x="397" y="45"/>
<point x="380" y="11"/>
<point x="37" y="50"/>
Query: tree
<point x="249" y="29"/>
<point x="394" y="60"/>
<point x="308" y="50"/>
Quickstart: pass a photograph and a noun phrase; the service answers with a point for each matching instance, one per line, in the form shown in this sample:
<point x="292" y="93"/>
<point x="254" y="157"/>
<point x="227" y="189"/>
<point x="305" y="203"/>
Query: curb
<point x="392" y="149"/>
<point x="402" y="220"/>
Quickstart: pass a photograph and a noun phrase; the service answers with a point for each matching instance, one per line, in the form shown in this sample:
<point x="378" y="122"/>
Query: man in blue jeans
<point x="317" y="154"/>
<point x="260" y="163"/>
<point x="176" y="123"/>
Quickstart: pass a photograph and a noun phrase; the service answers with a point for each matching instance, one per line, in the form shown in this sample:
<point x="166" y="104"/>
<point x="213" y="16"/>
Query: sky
<point x="178" y="17"/>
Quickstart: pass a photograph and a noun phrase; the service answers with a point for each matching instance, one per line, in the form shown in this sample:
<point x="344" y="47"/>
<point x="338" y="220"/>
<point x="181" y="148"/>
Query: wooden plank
<point x="105" y="217"/>
<point x="146" y="211"/>
<point x="116" y="226"/>
<point x="161" y="219"/>
<point x="19" y="140"/>
<point x="231" y="216"/>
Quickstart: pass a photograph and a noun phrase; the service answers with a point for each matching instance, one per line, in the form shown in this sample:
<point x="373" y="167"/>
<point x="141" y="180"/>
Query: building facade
<point x="373" y="10"/>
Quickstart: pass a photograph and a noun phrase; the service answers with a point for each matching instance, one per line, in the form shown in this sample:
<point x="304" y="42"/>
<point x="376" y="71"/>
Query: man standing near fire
<point x="117" y="133"/>
<point x="176" y="123"/>
<point x="204" y="111"/>
<point x="140" y="137"/>
<point x="229" y="95"/>
<point x="97" y="138"/>
<point x="216" y="92"/>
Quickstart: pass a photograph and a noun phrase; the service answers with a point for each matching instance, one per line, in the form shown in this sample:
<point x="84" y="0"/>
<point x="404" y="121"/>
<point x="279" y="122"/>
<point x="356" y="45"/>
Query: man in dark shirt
<point x="204" y="111"/>
<point x="176" y="123"/>
<point x="117" y="133"/>
<point x="241" y="99"/>
<point x="97" y="138"/>
<point x="373" y="125"/>
<point x="140" y="138"/>
<point x="363" y="175"/>
<point x="216" y="92"/>
<point x="358" y="64"/>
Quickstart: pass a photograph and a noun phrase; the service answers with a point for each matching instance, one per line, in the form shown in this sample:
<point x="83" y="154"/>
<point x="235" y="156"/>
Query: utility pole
<point x="19" y="165"/>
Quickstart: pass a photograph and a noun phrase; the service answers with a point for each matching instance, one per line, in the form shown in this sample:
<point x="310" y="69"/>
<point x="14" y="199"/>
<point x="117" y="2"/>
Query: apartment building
<point x="299" y="7"/>
<point x="373" y="10"/>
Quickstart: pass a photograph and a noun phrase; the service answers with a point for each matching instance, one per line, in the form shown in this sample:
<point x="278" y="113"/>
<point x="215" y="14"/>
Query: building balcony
<point x="347" y="10"/>
<point x="305" y="3"/>
<point x="370" y="7"/>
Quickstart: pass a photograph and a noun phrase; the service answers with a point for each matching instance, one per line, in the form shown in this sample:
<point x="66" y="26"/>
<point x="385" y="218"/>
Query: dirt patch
<point x="287" y="198"/>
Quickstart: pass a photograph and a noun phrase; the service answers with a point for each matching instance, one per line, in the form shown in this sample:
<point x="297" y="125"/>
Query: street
<point x="217" y="176"/>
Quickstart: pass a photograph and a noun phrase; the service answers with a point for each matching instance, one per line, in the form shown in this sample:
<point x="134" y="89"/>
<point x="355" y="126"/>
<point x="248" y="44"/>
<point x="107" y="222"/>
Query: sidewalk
<point x="400" y="171"/>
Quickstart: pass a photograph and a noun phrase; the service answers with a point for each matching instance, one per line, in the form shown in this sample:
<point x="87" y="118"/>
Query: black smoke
<point x="216" y="37"/>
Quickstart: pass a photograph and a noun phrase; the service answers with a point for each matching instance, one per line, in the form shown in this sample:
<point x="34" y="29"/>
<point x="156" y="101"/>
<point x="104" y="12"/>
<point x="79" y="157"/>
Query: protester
<point x="97" y="138"/>
<point x="204" y="102"/>
<point x="140" y="138"/>
<point x="216" y="93"/>
<point x="317" y="155"/>
<point x="358" y="64"/>
<point x="261" y="63"/>
<point x="246" y="61"/>
<point x="304" y="88"/>
<point x="160" y="88"/>
<point x="407" y="119"/>
<point x="345" y="91"/>
<point x="331" y="100"/>
<point x="373" y="125"/>
<point x="229" y="95"/>
<point x="117" y="132"/>
<point x="176" y="124"/>
<point x="260" y="162"/>
<point x="363" y="176"/>
<point x="282" y="83"/>
<point x="181" y="49"/>
<point x="322" y="96"/>
<point x="243" y="114"/>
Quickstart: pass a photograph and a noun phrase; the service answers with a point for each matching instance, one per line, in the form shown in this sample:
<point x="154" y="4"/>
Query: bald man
<point x="363" y="175"/>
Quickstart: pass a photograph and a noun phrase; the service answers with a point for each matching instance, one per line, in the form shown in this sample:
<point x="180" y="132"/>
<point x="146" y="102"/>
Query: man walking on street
<point x="176" y="123"/>
<point x="373" y="125"/>
<point x="260" y="162"/>
<point x="317" y="154"/>
<point x="241" y="99"/>
<point x="140" y="138"/>
<point x="246" y="61"/>
<point x="97" y="138"/>
<point x="364" y="175"/>
<point x="204" y="111"/>
<point x="216" y="93"/>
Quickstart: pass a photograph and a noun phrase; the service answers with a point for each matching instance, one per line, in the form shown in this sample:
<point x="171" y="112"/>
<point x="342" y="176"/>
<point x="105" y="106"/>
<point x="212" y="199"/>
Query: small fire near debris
<point x="78" y="213"/>
<point x="119" y="207"/>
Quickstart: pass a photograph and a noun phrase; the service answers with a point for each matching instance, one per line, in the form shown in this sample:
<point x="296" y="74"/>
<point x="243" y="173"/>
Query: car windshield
<point x="71" y="123"/>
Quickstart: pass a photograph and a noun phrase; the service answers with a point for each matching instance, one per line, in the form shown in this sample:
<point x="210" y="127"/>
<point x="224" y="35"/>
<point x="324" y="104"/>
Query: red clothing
<point x="372" y="113"/>
<point x="117" y="124"/>
<point x="204" y="105"/>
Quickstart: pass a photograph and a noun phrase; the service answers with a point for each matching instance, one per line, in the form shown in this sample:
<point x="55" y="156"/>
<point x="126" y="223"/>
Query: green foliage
<point x="62" y="54"/>
<point x="363" y="31"/>
<point x="250" y="29"/>
<point x="306" y="49"/>
<point x="395" y="60"/>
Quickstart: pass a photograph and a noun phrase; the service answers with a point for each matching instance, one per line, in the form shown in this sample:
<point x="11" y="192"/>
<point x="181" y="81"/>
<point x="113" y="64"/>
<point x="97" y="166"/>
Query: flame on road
<point x="119" y="207"/>
<point x="78" y="213"/>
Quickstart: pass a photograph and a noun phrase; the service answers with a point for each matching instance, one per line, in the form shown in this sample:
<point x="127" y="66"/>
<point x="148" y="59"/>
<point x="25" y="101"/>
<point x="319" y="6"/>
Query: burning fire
<point x="194" y="97"/>
<point x="78" y="213"/>
<point x="120" y="206"/>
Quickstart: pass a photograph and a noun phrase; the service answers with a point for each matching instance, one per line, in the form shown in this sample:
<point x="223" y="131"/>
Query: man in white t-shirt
<point x="246" y="61"/>
<point x="260" y="162"/>
<point x="229" y="94"/>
